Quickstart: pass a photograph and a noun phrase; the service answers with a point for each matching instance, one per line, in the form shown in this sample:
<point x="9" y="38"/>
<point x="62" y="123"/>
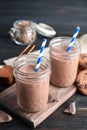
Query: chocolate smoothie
<point x="64" y="65"/>
<point x="32" y="87"/>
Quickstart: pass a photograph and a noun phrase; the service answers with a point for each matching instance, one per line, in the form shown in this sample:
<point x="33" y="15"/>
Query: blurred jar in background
<point x="23" y="32"/>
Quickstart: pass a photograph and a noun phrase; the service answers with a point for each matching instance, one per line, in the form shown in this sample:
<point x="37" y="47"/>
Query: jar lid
<point x="45" y="30"/>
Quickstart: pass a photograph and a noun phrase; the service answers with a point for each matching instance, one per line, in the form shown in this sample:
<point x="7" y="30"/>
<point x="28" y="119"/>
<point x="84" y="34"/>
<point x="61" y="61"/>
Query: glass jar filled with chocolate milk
<point x="64" y="64"/>
<point x="32" y="87"/>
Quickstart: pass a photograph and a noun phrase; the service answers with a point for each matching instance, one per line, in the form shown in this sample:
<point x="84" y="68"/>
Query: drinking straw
<point x="40" y="55"/>
<point x="73" y="38"/>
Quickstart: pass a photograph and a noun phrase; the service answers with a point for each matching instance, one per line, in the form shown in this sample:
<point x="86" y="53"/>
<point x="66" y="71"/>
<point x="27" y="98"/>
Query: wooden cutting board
<point x="8" y="100"/>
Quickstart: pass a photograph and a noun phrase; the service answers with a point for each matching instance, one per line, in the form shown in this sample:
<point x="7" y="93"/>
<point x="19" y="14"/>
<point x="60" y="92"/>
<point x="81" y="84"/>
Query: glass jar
<point x="64" y="64"/>
<point x="32" y="87"/>
<point x="23" y="32"/>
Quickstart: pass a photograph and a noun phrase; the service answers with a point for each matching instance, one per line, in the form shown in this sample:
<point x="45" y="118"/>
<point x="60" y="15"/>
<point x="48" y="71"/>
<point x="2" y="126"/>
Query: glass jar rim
<point x="20" y="21"/>
<point x="60" y="39"/>
<point x="16" y="68"/>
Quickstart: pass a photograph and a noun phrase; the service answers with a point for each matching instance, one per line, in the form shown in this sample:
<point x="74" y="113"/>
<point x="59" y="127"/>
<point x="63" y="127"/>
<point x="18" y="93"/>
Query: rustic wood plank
<point x="8" y="99"/>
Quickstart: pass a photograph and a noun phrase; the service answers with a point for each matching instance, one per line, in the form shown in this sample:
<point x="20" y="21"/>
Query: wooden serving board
<point x="8" y="100"/>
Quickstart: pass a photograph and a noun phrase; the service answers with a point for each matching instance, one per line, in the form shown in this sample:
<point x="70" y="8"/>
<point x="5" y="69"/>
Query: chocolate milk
<point x="32" y="87"/>
<point x="64" y="65"/>
<point x="33" y="94"/>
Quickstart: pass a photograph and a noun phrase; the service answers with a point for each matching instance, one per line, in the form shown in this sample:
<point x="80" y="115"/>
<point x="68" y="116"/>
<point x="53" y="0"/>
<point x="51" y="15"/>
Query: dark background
<point x="63" y="16"/>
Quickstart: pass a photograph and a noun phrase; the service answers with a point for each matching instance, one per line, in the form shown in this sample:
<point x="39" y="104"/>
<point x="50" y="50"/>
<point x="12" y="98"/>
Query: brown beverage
<point x="32" y="87"/>
<point x="64" y="64"/>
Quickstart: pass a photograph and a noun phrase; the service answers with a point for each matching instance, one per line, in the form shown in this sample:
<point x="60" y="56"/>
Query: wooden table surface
<point x="63" y="16"/>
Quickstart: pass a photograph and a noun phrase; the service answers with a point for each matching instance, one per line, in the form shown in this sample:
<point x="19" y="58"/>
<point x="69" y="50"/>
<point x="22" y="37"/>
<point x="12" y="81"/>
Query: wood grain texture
<point x="62" y="15"/>
<point x="8" y="99"/>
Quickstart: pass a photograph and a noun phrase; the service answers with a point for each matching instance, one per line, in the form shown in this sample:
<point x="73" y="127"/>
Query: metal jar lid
<point x="45" y="30"/>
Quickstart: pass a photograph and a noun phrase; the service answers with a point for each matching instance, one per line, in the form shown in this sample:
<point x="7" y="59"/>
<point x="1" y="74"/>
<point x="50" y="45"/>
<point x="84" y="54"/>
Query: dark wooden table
<point x="64" y="16"/>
